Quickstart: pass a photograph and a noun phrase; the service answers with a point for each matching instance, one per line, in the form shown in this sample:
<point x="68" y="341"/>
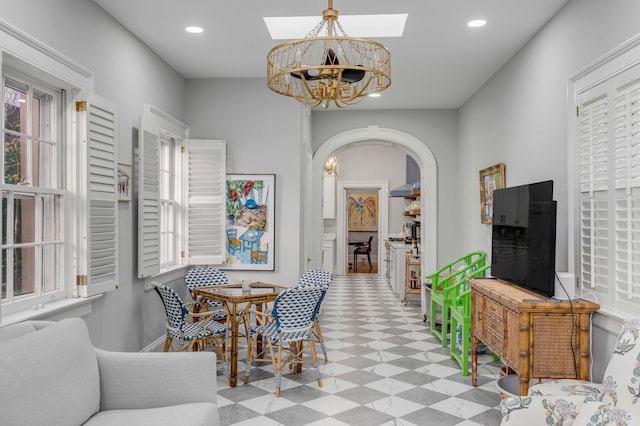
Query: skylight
<point x="295" y="27"/>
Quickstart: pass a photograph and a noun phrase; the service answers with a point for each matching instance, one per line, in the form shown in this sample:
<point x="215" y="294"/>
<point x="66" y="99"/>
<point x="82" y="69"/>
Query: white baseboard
<point x="155" y="346"/>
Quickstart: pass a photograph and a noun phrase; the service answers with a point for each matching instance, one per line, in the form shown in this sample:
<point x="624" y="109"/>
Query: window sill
<point x="53" y="311"/>
<point x="165" y="276"/>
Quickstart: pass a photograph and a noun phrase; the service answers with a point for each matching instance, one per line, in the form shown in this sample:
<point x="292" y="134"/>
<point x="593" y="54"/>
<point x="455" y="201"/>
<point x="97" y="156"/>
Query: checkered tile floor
<point x="384" y="369"/>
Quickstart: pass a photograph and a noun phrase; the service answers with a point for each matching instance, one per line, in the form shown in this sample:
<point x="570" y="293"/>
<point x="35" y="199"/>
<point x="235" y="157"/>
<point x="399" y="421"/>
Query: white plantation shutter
<point x="593" y="135"/>
<point x="98" y="204"/>
<point x="148" y="199"/>
<point x="627" y="191"/>
<point x="205" y="165"/>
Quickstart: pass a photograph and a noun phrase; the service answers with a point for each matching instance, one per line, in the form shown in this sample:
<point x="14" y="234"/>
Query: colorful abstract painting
<point x="250" y="203"/>
<point x="362" y="212"/>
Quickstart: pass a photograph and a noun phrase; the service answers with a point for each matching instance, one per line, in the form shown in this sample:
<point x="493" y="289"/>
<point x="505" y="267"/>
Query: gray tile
<point x="489" y="418"/>
<point x="415" y="378"/>
<point x="242" y="392"/>
<point x="304" y="393"/>
<point x="360" y="377"/>
<point x="422" y="396"/>
<point x="355" y="339"/>
<point x="362" y="395"/>
<point x="363" y="416"/>
<point x="356" y="350"/>
<point x="235" y="413"/>
<point x="403" y="350"/>
<point x="358" y="362"/>
<point x="481" y="396"/>
<point x="432" y="417"/>
<point x="296" y="415"/>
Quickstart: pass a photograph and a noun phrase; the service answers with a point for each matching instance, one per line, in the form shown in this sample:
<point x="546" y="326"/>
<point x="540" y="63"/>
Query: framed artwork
<point x="362" y="212"/>
<point x="125" y="180"/>
<point x="250" y="204"/>
<point x="491" y="178"/>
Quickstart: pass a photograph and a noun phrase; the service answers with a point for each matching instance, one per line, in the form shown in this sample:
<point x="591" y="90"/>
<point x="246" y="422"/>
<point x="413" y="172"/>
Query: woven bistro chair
<point x="195" y="334"/>
<point x="322" y="279"/>
<point x="286" y="331"/>
<point x="206" y="277"/>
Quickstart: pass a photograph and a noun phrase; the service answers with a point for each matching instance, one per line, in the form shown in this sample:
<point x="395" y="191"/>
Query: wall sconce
<point x="331" y="168"/>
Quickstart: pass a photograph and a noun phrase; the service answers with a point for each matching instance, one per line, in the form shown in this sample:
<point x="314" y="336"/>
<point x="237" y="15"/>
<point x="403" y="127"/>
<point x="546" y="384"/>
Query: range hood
<point x="401" y="191"/>
<point x="412" y="175"/>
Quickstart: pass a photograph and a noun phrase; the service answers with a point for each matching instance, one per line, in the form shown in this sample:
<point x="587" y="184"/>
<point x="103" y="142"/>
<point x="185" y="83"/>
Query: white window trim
<point x="623" y="57"/>
<point x="23" y="53"/>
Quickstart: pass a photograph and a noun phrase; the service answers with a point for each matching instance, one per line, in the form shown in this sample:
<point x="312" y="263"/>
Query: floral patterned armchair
<point x="566" y="402"/>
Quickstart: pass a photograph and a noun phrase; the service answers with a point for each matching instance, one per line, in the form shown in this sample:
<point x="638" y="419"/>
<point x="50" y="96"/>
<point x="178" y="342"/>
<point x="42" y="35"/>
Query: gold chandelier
<point x="328" y="67"/>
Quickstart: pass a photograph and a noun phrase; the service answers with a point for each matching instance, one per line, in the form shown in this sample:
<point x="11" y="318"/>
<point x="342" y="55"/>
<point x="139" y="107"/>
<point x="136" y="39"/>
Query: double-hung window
<point x="181" y="202"/>
<point x="58" y="180"/>
<point x="33" y="237"/>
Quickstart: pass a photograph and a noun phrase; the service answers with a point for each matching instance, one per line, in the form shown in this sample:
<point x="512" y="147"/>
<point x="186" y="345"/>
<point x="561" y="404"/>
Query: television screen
<point x="523" y="240"/>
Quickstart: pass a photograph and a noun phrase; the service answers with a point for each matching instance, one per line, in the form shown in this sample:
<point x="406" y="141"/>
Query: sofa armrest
<point x="150" y="380"/>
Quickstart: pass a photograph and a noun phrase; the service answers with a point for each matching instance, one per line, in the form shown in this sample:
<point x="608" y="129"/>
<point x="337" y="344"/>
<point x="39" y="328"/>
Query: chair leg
<point x="369" y="259"/>
<point x="321" y="340"/>
<point x="355" y="263"/>
<point x="314" y="356"/>
<point x="167" y="344"/>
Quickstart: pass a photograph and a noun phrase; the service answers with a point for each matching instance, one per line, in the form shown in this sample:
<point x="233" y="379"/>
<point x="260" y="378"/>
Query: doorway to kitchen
<point x="362" y="216"/>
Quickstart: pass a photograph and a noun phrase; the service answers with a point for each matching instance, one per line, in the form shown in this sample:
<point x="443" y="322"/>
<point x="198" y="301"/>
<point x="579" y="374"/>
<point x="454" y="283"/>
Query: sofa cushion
<point x="49" y="376"/>
<point x="195" y="414"/>
<point x="16" y="330"/>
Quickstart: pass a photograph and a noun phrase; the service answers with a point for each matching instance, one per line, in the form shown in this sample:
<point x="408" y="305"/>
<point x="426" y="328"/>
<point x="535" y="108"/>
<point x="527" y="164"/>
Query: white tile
<point x="390" y="386"/>
<point x="438" y="370"/>
<point x="394" y="406"/>
<point x="378" y="345"/>
<point x="337" y="356"/>
<point x="422" y="345"/>
<point x="222" y="401"/>
<point x="459" y="407"/>
<point x="336" y="344"/>
<point x="328" y="422"/>
<point x="335" y="369"/>
<point x="399" y="422"/>
<point x="447" y="387"/>
<point x="334" y="385"/>
<point x="258" y="421"/>
<point x="330" y="405"/>
<point x="382" y="356"/>
<point x="267" y="403"/>
<point x="335" y="335"/>
<point x="385" y="370"/>
<point x="377" y="335"/>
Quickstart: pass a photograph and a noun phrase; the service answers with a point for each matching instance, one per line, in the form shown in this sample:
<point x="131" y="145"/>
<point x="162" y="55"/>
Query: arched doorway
<point x="428" y="183"/>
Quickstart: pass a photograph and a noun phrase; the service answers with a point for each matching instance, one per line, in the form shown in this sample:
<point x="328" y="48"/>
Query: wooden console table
<point x="536" y="337"/>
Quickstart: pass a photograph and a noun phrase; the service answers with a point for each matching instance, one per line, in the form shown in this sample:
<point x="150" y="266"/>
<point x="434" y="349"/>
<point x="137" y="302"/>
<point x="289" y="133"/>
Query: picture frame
<point x="250" y="225"/>
<point x="491" y="178"/>
<point x="125" y="182"/>
<point x="362" y="212"/>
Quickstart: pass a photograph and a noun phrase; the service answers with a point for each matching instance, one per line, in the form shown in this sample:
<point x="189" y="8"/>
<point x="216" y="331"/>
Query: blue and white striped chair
<point x="196" y="334"/>
<point x="323" y="279"/>
<point x="287" y="329"/>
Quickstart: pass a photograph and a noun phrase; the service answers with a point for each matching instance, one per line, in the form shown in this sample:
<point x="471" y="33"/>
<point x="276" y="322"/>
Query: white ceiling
<point x="438" y="63"/>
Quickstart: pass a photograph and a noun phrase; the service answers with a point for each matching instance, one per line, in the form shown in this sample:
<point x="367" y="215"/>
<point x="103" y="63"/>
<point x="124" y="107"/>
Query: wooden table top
<point x="258" y="292"/>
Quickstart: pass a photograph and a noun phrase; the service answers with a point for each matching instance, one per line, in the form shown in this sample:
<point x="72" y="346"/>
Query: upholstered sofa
<point x="50" y="374"/>
<point x="615" y="401"/>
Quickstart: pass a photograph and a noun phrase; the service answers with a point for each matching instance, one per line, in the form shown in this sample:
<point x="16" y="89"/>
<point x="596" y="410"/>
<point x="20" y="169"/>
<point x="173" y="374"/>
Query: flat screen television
<point x="523" y="238"/>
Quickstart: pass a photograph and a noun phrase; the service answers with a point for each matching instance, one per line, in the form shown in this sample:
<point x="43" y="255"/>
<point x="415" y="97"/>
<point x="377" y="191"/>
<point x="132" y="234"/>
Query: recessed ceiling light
<point x="374" y="95"/>
<point x="292" y="27"/>
<point x="194" y="29"/>
<point x="477" y="23"/>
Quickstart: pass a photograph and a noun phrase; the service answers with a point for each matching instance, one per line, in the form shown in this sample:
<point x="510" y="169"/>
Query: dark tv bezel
<point x="540" y="196"/>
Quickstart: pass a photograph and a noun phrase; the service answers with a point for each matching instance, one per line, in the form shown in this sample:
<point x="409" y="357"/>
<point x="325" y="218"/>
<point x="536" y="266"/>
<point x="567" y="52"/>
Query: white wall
<point x="437" y="130"/>
<point x="519" y="117"/>
<point x="263" y="133"/>
<point x="130" y="74"/>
